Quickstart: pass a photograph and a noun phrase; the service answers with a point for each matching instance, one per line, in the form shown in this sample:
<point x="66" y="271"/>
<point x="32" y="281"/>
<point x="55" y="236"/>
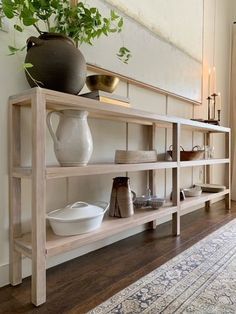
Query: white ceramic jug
<point x="73" y="144"/>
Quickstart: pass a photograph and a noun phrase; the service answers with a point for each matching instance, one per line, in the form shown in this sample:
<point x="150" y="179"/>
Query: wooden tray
<point x="135" y="156"/>
<point x="211" y="188"/>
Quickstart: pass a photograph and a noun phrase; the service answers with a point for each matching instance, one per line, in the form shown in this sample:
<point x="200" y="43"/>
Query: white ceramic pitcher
<point x="73" y="144"/>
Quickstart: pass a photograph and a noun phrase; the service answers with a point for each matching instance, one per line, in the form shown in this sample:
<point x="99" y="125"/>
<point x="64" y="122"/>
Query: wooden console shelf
<point x="41" y="242"/>
<point x="93" y="169"/>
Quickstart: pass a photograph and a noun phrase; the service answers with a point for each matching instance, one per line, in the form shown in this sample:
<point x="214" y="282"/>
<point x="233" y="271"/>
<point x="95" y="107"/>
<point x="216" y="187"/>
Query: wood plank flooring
<point x="80" y="284"/>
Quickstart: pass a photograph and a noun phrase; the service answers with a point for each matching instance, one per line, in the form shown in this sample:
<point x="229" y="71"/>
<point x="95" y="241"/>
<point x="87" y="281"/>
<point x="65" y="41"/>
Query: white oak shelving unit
<point x="41" y="242"/>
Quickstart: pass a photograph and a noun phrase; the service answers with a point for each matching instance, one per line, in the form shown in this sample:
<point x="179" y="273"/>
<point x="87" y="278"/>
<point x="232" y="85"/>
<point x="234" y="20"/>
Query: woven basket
<point x="186" y="155"/>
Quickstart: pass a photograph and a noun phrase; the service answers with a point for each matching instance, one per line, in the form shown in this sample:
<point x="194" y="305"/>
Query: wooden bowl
<point x="135" y="156"/>
<point x="106" y="83"/>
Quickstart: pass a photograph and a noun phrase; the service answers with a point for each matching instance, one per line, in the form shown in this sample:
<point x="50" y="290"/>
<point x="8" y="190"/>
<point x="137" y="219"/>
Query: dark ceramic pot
<point x="57" y="63"/>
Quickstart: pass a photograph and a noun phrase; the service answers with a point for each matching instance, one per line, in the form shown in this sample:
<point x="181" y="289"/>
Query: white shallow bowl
<point x="156" y="202"/>
<point x="141" y="201"/>
<point x="77" y="218"/>
<point x="196" y="191"/>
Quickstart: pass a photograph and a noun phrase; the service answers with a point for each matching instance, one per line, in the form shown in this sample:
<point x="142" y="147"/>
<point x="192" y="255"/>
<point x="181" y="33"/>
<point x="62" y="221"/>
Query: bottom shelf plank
<point x="110" y="226"/>
<point x="198" y="200"/>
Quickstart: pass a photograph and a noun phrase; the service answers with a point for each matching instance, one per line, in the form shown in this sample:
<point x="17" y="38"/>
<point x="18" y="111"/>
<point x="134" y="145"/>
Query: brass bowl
<point x="106" y="83"/>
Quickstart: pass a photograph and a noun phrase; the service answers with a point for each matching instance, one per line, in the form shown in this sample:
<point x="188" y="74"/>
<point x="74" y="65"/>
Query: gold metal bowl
<point x="106" y="83"/>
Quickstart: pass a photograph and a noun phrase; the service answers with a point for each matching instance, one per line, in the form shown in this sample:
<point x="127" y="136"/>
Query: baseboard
<point x="4" y="275"/>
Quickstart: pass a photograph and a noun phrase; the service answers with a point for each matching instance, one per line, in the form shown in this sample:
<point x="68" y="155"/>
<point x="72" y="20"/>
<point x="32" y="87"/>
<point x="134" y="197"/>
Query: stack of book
<point x="108" y="98"/>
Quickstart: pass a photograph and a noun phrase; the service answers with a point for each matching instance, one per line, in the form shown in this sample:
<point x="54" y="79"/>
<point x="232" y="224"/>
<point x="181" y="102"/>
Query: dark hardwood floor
<point x="80" y="284"/>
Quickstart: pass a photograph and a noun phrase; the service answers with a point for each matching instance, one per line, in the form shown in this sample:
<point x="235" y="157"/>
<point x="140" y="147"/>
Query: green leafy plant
<point x="80" y="22"/>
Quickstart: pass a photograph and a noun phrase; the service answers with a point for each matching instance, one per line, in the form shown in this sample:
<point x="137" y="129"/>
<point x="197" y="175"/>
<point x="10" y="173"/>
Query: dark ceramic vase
<point x="121" y="202"/>
<point x="57" y="63"/>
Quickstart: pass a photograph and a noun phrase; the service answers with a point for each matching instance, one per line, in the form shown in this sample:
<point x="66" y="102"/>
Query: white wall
<point x="168" y="61"/>
<point x="60" y="192"/>
<point x="156" y="16"/>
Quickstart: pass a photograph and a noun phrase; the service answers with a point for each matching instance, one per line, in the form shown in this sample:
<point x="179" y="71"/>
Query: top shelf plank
<point x="59" y="101"/>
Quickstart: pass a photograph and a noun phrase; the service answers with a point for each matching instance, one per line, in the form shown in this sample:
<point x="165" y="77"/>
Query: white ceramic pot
<point x="73" y="144"/>
<point x="77" y="218"/>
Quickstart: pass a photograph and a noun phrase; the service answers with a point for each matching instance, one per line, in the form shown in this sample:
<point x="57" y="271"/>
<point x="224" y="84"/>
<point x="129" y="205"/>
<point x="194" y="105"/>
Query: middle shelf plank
<point x="202" y="162"/>
<point x="54" y="172"/>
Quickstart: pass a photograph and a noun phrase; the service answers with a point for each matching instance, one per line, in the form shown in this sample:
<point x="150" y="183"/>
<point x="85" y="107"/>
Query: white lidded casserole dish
<point x="77" y="218"/>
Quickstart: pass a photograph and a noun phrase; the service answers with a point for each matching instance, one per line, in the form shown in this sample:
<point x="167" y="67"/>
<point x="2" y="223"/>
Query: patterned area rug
<point x="202" y="279"/>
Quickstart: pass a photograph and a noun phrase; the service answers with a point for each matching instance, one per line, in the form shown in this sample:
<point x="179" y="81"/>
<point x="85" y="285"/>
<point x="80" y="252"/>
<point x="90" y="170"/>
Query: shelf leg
<point x="176" y="202"/>
<point x="228" y="171"/>
<point x="15" y="268"/>
<point x="207" y="169"/>
<point x="38" y="200"/>
<point x="153" y="224"/>
<point x="207" y="205"/>
<point x="176" y="179"/>
<point x="228" y="202"/>
<point x="152" y="174"/>
<point x="176" y="224"/>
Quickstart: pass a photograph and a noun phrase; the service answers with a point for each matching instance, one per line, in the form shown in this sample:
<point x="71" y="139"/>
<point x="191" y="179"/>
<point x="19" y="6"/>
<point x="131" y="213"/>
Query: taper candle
<point x="209" y="82"/>
<point x="218" y="102"/>
<point x="213" y="80"/>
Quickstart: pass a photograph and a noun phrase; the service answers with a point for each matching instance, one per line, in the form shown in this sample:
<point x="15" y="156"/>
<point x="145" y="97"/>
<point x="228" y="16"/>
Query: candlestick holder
<point x="214" y="95"/>
<point x="209" y="107"/>
<point x="212" y="111"/>
<point x="218" y="113"/>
